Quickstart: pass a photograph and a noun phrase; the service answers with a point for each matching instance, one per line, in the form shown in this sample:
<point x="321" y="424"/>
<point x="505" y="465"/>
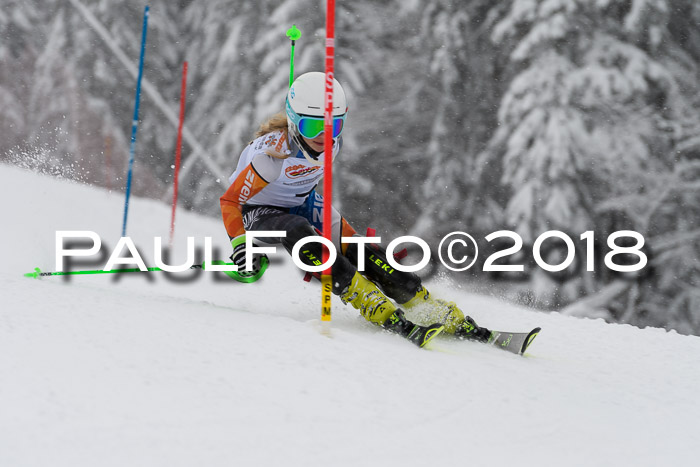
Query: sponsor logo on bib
<point x="296" y="171"/>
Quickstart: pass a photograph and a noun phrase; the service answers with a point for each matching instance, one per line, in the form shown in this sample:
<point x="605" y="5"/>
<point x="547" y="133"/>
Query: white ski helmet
<point x="305" y="109"/>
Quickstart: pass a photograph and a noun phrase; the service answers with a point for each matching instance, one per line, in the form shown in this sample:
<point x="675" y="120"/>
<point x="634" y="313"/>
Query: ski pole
<point x="293" y="34"/>
<point x="39" y="273"/>
<point x="264" y="263"/>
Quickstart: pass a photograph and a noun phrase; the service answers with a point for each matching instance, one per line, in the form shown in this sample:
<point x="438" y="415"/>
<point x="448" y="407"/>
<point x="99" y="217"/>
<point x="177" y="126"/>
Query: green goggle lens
<point x="310" y="127"/>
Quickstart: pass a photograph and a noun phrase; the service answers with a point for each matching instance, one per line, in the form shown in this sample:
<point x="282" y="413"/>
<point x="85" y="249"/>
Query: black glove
<point x="258" y="263"/>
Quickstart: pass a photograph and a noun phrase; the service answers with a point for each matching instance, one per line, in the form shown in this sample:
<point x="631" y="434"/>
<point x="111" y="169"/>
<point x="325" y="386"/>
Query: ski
<point x="515" y="342"/>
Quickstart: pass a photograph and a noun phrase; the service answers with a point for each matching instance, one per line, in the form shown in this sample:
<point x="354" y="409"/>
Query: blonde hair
<point x="275" y="123"/>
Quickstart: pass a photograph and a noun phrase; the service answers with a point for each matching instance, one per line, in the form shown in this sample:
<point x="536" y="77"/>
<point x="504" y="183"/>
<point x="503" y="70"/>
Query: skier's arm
<point x="245" y="186"/>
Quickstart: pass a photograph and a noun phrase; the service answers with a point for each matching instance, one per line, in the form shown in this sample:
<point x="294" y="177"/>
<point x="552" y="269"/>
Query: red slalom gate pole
<point x="326" y="279"/>
<point x="178" y="149"/>
<point x="108" y="161"/>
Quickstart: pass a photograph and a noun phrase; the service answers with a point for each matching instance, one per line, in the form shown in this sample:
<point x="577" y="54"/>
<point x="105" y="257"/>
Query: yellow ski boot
<point x="377" y="308"/>
<point x="437" y="310"/>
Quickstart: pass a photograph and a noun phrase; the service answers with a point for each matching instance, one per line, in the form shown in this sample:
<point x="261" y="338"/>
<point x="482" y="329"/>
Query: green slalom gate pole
<point x="264" y="263"/>
<point x="293" y="34"/>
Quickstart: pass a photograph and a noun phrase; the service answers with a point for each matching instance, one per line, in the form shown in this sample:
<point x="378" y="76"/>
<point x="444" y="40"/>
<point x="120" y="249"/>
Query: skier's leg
<point x="296" y="227"/>
<point x="398" y="285"/>
<point x="362" y="294"/>
<point x="347" y="282"/>
<point x="351" y="286"/>
<point x="408" y="291"/>
<point x="405" y="288"/>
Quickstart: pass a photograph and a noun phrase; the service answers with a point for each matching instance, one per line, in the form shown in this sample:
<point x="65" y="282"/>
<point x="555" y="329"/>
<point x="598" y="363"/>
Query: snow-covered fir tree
<point x="584" y="124"/>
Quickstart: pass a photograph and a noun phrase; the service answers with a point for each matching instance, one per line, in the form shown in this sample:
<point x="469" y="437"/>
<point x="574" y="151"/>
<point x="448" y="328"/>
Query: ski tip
<point x="528" y="340"/>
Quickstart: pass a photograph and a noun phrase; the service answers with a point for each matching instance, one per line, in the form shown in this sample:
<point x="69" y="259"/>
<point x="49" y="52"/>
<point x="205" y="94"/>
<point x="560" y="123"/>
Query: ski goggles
<point x="310" y="127"/>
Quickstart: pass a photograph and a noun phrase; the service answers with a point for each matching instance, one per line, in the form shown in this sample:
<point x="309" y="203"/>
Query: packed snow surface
<point x="136" y="369"/>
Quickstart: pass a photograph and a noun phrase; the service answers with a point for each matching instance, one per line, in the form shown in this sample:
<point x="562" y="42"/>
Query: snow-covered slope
<point x="138" y="370"/>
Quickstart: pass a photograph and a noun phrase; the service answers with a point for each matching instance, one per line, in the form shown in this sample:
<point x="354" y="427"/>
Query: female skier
<point x="273" y="189"/>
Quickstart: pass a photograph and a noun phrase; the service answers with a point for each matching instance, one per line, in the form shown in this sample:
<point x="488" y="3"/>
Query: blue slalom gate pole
<point x="135" y="122"/>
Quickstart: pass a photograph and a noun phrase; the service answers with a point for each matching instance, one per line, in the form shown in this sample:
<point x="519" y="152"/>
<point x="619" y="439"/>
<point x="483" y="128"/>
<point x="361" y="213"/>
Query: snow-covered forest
<point x="523" y="115"/>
